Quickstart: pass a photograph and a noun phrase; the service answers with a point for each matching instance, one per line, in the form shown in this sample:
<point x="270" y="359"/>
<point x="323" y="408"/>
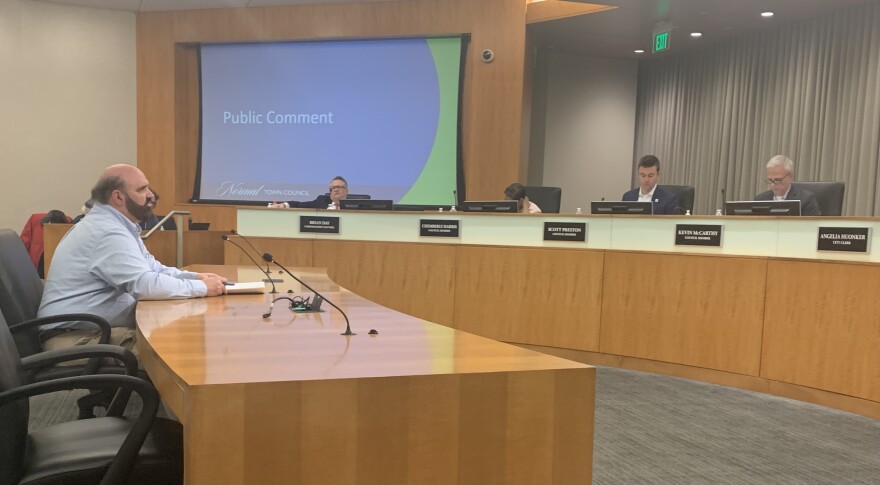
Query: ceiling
<point x="613" y="33"/>
<point x="618" y="32"/>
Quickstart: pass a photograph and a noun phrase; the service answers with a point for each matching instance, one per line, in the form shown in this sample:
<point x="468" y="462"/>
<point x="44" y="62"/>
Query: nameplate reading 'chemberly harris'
<point x="565" y="231"/>
<point x="319" y="224"/>
<point x="439" y="228"/>
<point x="846" y="239"/>
<point x="698" y="235"/>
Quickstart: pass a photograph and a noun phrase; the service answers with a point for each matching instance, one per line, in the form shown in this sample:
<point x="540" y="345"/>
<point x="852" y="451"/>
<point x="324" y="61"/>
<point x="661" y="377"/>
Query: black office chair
<point x="548" y="199"/>
<point x="684" y="194"/>
<point x="829" y="195"/>
<point x="107" y="450"/>
<point x="20" y="293"/>
<point x="357" y="196"/>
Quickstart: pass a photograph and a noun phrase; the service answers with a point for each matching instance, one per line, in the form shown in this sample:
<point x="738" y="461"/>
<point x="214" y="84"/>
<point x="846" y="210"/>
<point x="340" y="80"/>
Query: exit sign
<point x="661" y="41"/>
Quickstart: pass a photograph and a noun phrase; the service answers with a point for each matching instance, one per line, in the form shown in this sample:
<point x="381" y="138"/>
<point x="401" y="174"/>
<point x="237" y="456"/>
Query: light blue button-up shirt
<point x="102" y="267"/>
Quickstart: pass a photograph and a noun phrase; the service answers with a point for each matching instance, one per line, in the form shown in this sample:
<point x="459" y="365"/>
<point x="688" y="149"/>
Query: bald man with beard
<point x="102" y="266"/>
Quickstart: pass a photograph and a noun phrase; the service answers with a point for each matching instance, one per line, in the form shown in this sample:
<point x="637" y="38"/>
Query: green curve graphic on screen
<point x="438" y="179"/>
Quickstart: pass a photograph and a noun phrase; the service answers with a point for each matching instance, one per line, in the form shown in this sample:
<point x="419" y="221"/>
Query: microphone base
<point x="273" y="280"/>
<point x="347" y="333"/>
<point x="298" y="311"/>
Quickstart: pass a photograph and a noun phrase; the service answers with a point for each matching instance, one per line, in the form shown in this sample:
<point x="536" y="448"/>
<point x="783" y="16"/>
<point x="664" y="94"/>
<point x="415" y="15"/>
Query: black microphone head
<point x="267" y="315"/>
<point x="268" y="257"/>
<point x="232" y="231"/>
<point x="225" y="237"/>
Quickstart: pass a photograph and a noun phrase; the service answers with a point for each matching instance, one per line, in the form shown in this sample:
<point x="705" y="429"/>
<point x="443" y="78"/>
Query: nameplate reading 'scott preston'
<point x="847" y="239"/>
<point x="565" y="231"/>
<point x="319" y="224"/>
<point x="698" y="235"/>
<point x="438" y="228"/>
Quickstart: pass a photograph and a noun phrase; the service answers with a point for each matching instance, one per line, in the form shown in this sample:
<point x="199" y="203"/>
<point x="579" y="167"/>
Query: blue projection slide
<point x="280" y="120"/>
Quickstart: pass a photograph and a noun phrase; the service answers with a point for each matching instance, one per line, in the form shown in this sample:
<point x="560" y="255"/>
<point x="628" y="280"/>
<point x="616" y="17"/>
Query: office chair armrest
<point x="35" y="362"/>
<point x="50" y="358"/>
<point x="103" y="324"/>
<point x="125" y="459"/>
<point x="68" y="317"/>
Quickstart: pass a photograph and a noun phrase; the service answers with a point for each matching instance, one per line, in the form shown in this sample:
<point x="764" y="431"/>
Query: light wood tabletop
<point x="231" y="376"/>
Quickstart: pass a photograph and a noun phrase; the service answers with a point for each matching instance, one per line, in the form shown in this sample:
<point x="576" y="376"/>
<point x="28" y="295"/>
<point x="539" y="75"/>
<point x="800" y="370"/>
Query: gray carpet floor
<point x="653" y="429"/>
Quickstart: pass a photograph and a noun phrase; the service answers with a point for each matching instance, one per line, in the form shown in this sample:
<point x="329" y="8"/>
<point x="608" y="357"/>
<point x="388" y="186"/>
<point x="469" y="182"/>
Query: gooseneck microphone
<point x="269" y="259"/>
<point x="235" y="233"/>
<point x="270" y="280"/>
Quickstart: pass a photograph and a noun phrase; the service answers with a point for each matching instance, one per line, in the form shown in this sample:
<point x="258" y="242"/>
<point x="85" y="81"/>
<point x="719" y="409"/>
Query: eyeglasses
<point x="338" y="187"/>
<point x="776" y="181"/>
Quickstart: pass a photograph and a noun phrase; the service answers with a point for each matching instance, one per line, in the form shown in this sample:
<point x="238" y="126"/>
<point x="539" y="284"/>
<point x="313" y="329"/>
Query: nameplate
<point x="846" y="239"/>
<point x="565" y="231"/>
<point x="319" y="224"/>
<point x="439" y="228"/>
<point x="698" y="235"/>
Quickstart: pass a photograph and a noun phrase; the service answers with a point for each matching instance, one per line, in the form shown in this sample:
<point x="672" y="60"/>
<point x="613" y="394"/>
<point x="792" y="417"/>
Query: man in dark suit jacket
<point x="338" y="190"/>
<point x="780" y="174"/>
<point x="647" y="191"/>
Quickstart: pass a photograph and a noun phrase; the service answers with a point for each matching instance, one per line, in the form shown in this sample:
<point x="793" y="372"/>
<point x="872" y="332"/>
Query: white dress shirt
<point x="649" y="197"/>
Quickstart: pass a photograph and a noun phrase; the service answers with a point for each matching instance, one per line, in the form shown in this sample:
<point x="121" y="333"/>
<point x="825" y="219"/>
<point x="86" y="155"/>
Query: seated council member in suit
<point x="338" y="190"/>
<point x="780" y="175"/>
<point x="647" y="191"/>
<point x="517" y="192"/>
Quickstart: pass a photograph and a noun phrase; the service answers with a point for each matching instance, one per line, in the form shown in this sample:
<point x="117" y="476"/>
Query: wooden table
<point x="289" y="400"/>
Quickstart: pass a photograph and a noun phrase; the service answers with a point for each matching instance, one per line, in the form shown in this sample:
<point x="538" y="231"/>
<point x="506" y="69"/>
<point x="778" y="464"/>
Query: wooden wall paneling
<point x="163" y="246"/>
<point x="704" y="311"/>
<point x="155" y="100"/>
<point x="551" y="296"/>
<point x="202" y="247"/>
<point x="492" y="97"/>
<point x="416" y="279"/>
<point x="199" y="247"/>
<point x="221" y="217"/>
<point x="544" y="11"/>
<point x="822" y="326"/>
<point x="52" y="234"/>
<point x="187" y="119"/>
<point x="289" y="252"/>
<point x="529" y="66"/>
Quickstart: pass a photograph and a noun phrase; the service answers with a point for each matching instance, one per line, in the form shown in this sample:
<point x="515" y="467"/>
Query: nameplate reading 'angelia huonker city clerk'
<point x="565" y="231"/>
<point x="438" y="228"/>
<point x="698" y="235"/>
<point x="846" y="239"/>
<point x="319" y="224"/>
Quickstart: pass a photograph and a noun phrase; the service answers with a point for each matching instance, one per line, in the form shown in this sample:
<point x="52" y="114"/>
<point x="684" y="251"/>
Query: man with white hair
<point x="780" y="175"/>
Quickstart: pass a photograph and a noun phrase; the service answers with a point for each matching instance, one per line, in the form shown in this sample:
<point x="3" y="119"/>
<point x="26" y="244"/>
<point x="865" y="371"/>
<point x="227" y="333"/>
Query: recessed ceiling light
<point x="696" y="35"/>
<point x="639" y="51"/>
<point x="766" y="15"/>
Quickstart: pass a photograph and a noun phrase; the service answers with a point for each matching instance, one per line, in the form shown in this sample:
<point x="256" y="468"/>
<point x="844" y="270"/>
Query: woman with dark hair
<point x="517" y="192"/>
